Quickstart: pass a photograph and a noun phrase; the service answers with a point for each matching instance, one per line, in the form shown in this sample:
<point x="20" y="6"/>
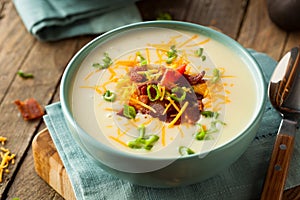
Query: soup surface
<point x="161" y="92"/>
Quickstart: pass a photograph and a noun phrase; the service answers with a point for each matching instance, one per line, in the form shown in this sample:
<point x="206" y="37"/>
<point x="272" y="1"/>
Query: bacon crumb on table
<point x="30" y="109"/>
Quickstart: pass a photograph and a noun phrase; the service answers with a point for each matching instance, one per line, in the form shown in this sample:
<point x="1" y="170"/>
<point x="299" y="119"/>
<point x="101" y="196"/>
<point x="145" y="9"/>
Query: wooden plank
<point x="20" y="187"/>
<point x="47" y="62"/>
<point x="150" y="10"/>
<point x="225" y="15"/>
<point x="292" y="41"/>
<point x="259" y="33"/>
<point x="48" y="165"/>
<point x="28" y="185"/>
<point x="15" y="44"/>
<point x="44" y="88"/>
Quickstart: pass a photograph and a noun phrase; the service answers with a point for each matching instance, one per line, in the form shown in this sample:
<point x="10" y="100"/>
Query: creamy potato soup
<point x="161" y="92"/>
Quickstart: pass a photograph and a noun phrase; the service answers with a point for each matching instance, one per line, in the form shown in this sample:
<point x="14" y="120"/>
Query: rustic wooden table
<point x="246" y="21"/>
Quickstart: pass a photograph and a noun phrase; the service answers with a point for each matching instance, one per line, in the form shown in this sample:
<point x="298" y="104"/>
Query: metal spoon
<point x="284" y="94"/>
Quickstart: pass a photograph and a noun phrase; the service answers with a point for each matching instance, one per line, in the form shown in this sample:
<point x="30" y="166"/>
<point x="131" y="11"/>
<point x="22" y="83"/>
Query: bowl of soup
<point x="163" y="103"/>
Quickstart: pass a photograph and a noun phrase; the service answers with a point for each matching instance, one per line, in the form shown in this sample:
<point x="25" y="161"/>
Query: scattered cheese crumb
<point x="3" y="140"/>
<point x="7" y="158"/>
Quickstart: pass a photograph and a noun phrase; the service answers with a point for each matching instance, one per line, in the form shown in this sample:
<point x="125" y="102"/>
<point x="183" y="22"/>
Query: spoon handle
<point x="279" y="162"/>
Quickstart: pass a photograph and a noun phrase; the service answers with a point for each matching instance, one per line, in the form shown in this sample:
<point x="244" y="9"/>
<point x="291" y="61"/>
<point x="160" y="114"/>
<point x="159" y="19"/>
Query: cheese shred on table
<point x="6" y="158"/>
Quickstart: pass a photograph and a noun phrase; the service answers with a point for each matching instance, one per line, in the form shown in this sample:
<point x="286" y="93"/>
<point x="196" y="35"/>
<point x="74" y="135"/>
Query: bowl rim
<point x="86" y="49"/>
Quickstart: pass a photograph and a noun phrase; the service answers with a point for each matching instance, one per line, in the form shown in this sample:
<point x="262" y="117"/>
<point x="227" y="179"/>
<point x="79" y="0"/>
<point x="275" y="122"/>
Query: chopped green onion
<point x="172" y="55"/>
<point x="149" y="142"/>
<point x="216" y="75"/>
<point x="210" y="114"/>
<point x="185" y="151"/>
<point x="129" y="112"/>
<point x="201" y="134"/>
<point x="142" y="60"/>
<point x="178" y="94"/>
<point x="24" y="75"/>
<point x="199" y="52"/>
<point x="106" y="62"/>
<point x="143" y="142"/>
<point x="142" y="131"/>
<point x="213" y="126"/>
<point x="157" y="92"/>
<point x="109" y="96"/>
<point x="164" y="16"/>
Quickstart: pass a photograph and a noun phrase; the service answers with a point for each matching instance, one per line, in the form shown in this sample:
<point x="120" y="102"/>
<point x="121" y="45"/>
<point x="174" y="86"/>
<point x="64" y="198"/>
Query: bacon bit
<point x="30" y="109"/>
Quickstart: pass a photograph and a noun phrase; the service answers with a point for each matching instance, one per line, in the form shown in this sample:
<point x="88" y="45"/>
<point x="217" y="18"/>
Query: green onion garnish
<point x="24" y="75"/>
<point x="172" y="55"/>
<point x="213" y="126"/>
<point x="201" y="134"/>
<point x="164" y="16"/>
<point x="142" y="60"/>
<point x="178" y="94"/>
<point x="109" y="96"/>
<point x="216" y="75"/>
<point x="143" y="142"/>
<point x="149" y="91"/>
<point x="185" y="151"/>
<point x="129" y="112"/>
<point x="199" y="53"/>
<point x="210" y="114"/>
<point x="106" y="62"/>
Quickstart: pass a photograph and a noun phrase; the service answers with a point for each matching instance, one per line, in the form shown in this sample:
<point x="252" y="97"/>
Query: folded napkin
<point x="51" y="20"/>
<point x="241" y="181"/>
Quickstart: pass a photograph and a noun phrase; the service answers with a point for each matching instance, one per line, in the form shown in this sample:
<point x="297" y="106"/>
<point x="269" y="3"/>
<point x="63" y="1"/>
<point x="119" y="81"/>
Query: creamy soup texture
<point x="229" y="92"/>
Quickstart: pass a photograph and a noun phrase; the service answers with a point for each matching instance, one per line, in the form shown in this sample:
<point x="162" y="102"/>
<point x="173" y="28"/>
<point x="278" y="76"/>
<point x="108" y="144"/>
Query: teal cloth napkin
<point x="243" y="180"/>
<point x="50" y="20"/>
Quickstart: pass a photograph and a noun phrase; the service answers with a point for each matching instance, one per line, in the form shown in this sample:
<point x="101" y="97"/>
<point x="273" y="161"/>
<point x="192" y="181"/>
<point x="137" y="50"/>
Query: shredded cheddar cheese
<point x="179" y="114"/>
<point x="7" y="158"/>
<point x="96" y="88"/>
<point x="166" y="109"/>
<point x="199" y="43"/>
<point x="173" y="104"/>
<point x="163" y="136"/>
<point x="3" y="140"/>
<point x="188" y="40"/>
<point x="142" y="104"/>
<point x="118" y="140"/>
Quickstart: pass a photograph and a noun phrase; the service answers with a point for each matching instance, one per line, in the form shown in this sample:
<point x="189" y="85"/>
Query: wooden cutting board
<point x="49" y="166"/>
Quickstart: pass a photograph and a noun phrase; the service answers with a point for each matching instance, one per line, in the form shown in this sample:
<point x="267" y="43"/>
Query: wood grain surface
<point x="49" y="166"/>
<point x="246" y="21"/>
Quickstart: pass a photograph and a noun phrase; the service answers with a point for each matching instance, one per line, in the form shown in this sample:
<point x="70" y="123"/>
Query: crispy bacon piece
<point x="30" y="109"/>
<point x="195" y="79"/>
